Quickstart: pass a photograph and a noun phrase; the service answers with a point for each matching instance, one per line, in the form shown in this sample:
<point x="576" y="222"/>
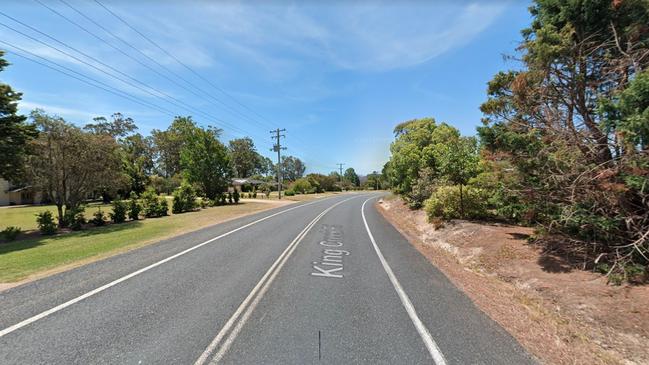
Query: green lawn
<point x="25" y="216"/>
<point x="31" y="257"/>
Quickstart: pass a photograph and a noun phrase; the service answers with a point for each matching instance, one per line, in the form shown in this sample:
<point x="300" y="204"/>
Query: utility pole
<point x="340" y="165"/>
<point x="277" y="147"/>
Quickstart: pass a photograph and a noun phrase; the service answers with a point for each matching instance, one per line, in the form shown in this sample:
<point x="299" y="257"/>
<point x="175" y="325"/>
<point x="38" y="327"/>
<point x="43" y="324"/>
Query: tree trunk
<point x="461" y="203"/>
<point x="59" y="208"/>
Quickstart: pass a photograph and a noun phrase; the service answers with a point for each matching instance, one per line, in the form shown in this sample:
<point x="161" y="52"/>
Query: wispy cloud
<point x="64" y="112"/>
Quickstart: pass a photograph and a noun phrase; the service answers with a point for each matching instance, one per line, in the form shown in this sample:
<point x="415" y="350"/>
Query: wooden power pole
<point x="277" y="147"/>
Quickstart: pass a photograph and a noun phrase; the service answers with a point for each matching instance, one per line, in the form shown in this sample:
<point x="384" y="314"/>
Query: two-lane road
<point x="328" y="281"/>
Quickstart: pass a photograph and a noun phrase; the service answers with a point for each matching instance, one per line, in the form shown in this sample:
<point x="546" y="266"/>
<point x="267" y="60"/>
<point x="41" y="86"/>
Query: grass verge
<point x="32" y="257"/>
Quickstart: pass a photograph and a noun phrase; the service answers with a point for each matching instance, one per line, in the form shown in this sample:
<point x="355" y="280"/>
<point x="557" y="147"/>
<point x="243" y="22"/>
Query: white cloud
<point x="64" y="112"/>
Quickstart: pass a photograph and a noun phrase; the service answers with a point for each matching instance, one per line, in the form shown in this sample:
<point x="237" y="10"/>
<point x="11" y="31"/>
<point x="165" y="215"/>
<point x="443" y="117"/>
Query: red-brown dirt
<point x="561" y="314"/>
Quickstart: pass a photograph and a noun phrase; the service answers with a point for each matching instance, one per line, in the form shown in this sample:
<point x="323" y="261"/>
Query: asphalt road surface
<point x="328" y="281"/>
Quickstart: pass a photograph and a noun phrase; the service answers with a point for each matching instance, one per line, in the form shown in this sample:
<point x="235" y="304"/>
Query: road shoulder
<point x="537" y="311"/>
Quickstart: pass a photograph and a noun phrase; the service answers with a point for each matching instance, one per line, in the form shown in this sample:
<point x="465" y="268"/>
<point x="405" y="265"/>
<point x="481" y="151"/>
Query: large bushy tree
<point x="245" y="159"/>
<point x="169" y="144"/>
<point x="205" y="161"/>
<point x="14" y="132"/>
<point x="70" y="163"/>
<point x="572" y="124"/>
<point x="352" y="177"/>
<point x="292" y="168"/>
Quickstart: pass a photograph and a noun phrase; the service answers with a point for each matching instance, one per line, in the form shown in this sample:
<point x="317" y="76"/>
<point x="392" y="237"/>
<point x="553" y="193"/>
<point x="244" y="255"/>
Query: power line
<point x="147" y="88"/>
<point x="105" y="86"/>
<point x="122" y="20"/>
<point x="182" y="63"/>
<point x="193" y="86"/>
<point x="340" y="165"/>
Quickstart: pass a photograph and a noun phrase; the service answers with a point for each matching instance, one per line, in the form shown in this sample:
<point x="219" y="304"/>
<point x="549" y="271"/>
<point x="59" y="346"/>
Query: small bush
<point x="445" y="203"/>
<point x="154" y="205"/>
<point x="134" y="209"/>
<point x="254" y="194"/>
<point x="74" y="218"/>
<point x="10" y="233"/>
<point x="120" y="209"/>
<point x="235" y="197"/>
<point x="184" y="199"/>
<point x="46" y="223"/>
<point x="204" y="202"/>
<point x="289" y="193"/>
<point x="163" y="207"/>
<point x="99" y="218"/>
<point x="301" y="186"/>
<point x="230" y="200"/>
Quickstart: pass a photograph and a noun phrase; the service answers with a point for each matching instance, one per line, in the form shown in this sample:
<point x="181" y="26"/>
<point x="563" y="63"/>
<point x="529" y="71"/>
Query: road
<point x="328" y="281"/>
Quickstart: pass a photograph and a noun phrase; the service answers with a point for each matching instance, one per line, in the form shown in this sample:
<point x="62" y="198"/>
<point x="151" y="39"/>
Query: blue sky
<point x="338" y="76"/>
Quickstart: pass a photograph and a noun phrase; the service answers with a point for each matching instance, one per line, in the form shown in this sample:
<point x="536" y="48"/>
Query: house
<point x="238" y="184"/>
<point x="17" y="195"/>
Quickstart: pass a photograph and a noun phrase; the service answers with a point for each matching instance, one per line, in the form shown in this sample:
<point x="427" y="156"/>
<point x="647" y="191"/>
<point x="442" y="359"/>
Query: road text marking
<point x="331" y="263"/>
<point x="59" y="307"/>
<point x="248" y="305"/>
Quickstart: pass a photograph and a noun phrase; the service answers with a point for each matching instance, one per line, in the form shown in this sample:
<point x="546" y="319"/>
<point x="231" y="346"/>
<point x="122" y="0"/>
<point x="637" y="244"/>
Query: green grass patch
<point x="25" y="216"/>
<point x="20" y="259"/>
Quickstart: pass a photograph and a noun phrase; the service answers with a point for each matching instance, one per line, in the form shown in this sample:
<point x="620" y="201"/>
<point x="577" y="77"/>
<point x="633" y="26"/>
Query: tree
<point x="411" y="153"/>
<point x="70" y="163"/>
<point x="374" y="181"/>
<point x="292" y="168"/>
<point x="570" y="122"/>
<point x="205" y="161"/>
<point x="245" y="158"/>
<point x="170" y="143"/>
<point x="14" y="132"/>
<point x="265" y="166"/>
<point x="118" y="127"/>
<point x="322" y="182"/>
<point x="352" y="177"/>
<point x="137" y="161"/>
<point x="458" y="160"/>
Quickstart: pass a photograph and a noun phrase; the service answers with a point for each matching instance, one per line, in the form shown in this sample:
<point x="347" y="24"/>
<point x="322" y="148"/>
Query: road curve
<point x="328" y="281"/>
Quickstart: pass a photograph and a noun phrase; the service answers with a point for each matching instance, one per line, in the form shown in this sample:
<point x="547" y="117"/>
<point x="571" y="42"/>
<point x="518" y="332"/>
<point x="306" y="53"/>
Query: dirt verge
<point x="560" y="314"/>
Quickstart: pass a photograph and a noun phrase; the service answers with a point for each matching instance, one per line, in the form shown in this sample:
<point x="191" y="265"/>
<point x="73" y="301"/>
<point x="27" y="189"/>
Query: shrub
<point x="134" y="208"/>
<point x="120" y="209"/>
<point x="204" y="202"/>
<point x="254" y="194"/>
<point x="235" y="197"/>
<point x="163" y="207"/>
<point x="301" y="186"/>
<point x="74" y="218"/>
<point x="289" y="193"/>
<point x="230" y="198"/>
<point x="445" y="203"/>
<point x="46" y="223"/>
<point x="184" y="199"/>
<point x="154" y="205"/>
<point x="99" y="218"/>
<point x="10" y="233"/>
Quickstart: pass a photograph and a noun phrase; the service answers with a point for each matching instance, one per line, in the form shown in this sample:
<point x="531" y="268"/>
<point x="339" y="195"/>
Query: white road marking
<point x="59" y="307"/>
<point x="434" y="351"/>
<point x="248" y="305"/>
